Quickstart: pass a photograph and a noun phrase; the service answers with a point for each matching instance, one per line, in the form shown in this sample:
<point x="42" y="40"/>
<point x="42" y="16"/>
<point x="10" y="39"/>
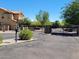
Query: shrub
<point x="25" y="34"/>
<point x="1" y="39"/>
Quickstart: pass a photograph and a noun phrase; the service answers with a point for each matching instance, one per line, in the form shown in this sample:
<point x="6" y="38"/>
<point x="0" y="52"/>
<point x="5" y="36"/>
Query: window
<point x="2" y="17"/>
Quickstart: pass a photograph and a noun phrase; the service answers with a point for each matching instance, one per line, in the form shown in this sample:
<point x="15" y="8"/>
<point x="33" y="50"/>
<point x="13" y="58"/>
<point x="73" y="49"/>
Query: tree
<point x="42" y="17"/>
<point x="71" y="14"/>
<point x="25" y="21"/>
<point x="48" y="23"/>
<point x="64" y="23"/>
<point x="36" y="24"/>
<point x="56" y="24"/>
<point x="77" y="0"/>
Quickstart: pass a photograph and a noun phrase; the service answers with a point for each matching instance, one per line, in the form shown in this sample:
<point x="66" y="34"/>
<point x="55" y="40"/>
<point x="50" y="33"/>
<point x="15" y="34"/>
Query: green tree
<point x="25" y="21"/>
<point x="77" y="0"/>
<point x="36" y="24"/>
<point x="42" y="17"/>
<point x="64" y="23"/>
<point x="56" y="24"/>
<point x="48" y="23"/>
<point x="71" y="14"/>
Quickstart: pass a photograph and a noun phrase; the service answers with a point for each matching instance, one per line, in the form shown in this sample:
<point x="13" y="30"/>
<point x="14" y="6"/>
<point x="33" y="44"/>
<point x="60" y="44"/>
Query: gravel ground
<point x="45" y="46"/>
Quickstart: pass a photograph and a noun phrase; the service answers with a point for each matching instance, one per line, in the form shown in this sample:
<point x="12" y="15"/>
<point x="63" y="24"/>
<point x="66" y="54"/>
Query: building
<point x="8" y="19"/>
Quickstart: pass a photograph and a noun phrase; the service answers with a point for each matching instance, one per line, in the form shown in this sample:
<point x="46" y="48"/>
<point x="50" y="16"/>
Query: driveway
<point x="45" y="46"/>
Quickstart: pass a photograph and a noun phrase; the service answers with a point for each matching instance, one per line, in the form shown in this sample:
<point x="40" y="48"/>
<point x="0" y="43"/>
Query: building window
<point x="0" y="23"/>
<point x="2" y="17"/>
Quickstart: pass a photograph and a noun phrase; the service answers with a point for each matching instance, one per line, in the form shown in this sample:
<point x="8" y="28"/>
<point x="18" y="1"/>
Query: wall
<point x="6" y="19"/>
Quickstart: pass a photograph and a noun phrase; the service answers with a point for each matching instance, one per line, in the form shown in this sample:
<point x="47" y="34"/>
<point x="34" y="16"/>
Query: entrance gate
<point x="71" y="30"/>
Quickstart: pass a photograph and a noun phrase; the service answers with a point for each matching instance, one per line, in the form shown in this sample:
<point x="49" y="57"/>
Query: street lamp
<point x="17" y="27"/>
<point x="16" y="31"/>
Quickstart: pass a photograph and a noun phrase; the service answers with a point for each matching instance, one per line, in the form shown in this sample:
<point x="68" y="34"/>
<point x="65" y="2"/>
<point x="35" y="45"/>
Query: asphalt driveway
<point x="45" y="46"/>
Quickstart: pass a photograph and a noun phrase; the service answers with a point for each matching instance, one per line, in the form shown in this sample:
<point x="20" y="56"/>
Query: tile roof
<point x="14" y="12"/>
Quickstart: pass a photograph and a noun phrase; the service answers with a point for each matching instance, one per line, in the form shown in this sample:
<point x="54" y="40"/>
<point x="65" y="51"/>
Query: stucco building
<point x="8" y="19"/>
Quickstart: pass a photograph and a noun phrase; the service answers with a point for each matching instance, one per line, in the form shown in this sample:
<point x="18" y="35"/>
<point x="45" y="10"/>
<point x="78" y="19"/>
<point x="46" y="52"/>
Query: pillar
<point x="3" y="28"/>
<point x="8" y="27"/>
<point x="78" y="31"/>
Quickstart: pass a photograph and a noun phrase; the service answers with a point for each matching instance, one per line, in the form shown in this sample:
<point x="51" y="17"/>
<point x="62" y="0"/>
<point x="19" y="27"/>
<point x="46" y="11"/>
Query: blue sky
<point x="31" y="7"/>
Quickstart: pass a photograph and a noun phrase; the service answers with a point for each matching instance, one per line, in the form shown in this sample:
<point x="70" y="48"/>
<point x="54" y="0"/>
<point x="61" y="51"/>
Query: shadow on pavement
<point x="65" y="34"/>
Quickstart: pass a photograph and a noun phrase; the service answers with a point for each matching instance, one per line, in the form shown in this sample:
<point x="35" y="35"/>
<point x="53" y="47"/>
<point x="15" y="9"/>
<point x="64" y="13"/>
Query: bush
<point x="25" y="34"/>
<point x="1" y="39"/>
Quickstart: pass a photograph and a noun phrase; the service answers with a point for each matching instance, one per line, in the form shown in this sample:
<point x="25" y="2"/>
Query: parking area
<point x="45" y="46"/>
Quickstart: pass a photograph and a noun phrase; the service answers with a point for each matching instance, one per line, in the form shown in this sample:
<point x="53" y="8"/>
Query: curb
<point x="7" y="43"/>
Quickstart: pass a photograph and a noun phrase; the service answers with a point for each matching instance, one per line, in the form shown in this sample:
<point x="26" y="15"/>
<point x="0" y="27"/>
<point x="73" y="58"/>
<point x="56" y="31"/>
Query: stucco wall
<point x="6" y="19"/>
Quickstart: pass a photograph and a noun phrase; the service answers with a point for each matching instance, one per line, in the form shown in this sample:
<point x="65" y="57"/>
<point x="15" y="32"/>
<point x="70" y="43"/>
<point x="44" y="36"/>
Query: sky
<point x="31" y="8"/>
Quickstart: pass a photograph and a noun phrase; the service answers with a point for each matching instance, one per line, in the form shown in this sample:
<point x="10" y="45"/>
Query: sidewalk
<point x="7" y="32"/>
<point x="12" y="41"/>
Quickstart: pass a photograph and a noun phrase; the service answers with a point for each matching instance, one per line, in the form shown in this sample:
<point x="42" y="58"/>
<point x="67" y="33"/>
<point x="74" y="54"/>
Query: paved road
<point x="44" y="47"/>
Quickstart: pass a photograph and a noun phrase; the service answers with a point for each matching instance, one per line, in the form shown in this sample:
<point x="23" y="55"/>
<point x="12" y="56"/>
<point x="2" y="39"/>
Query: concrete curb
<point x="7" y="32"/>
<point x="11" y="42"/>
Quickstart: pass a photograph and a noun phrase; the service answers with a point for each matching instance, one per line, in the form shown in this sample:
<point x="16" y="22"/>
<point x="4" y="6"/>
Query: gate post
<point x="78" y="31"/>
<point x="47" y="29"/>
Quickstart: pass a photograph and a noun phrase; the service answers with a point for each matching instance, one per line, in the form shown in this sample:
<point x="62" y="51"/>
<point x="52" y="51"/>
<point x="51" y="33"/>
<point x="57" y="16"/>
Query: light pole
<point x="17" y="27"/>
<point x="16" y="31"/>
